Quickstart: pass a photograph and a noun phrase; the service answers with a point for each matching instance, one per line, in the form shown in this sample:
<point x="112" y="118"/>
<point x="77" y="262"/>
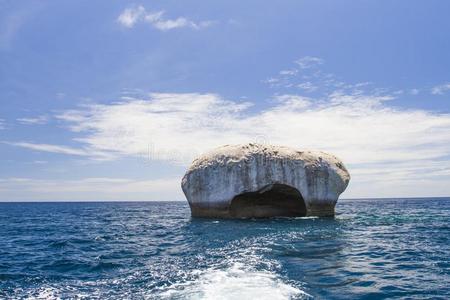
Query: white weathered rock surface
<point x="253" y="180"/>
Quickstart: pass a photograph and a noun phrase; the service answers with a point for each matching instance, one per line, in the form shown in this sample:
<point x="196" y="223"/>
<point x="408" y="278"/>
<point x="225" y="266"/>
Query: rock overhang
<point x="215" y="179"/>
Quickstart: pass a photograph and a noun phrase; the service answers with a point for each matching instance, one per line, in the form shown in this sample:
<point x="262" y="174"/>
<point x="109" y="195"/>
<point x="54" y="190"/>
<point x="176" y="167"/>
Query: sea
<point x="371" y="249"/>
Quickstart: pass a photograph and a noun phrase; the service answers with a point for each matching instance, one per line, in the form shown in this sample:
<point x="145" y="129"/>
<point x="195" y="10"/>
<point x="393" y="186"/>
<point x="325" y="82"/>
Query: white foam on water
<point x="236" y="282"/>
<point x="307" y="218"/>
<point x="44" y="293"/>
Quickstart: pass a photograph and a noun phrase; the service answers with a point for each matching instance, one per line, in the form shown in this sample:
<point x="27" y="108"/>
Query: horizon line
<point x="121" y="201"/>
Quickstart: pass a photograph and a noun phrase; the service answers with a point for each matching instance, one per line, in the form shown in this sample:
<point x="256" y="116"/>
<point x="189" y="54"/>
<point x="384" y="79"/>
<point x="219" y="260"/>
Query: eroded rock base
<point x="321" y="210"/>
<point x="257" y="212"/>
<point x="272" y="201"/>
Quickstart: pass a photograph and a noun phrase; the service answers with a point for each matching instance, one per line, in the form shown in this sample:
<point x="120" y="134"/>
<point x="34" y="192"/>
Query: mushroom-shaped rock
<point x="257" y="181"/>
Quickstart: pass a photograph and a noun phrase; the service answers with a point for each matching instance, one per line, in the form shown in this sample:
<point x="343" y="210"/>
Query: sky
<point x="112" y="100"/>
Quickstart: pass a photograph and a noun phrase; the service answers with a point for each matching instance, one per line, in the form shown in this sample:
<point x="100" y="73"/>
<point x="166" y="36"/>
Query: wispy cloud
<point x="29" y="189"/>
<point x="2" y="124"/>
<point x="294" y="101"/>
<point x="130" y="16"/>
<point x="133" y="15"/>
<point x="39" y="120"/>
<point x="307" y="86"/>
<point x="440" y="89"/>
<point x="307" y="75"/>
<point x="60" y="149"/>
<point x="308" y="62"/>
<point x="49" y="148"/>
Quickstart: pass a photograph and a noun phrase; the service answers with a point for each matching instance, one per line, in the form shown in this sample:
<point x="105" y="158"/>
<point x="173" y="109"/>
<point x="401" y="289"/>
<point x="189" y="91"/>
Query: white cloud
<point x="180" y="22"/>
<point x="2" y="124"/>
<point x="131" y="16"/>
<point x="307" y="86"/>
<point x="49" y="148"/>
<point x="440" y="89"/>
<point x="296" y="102"/>
<point x="291" y="72"/>
<point x="306" y="75"/>
<point x="59" y="149"/>
<point x="361" y="129"/>
<point x="31" y="189"/>
<point x="358" y="125"/>
<point x="39" y="120"/>
<point x="272" y="81"/>
<point x="309" y="62"/>
<point x="134" y="126"/>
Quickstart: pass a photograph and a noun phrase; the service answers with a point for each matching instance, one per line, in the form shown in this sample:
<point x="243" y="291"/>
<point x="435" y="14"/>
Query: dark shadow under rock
<point x="277" y="200"/>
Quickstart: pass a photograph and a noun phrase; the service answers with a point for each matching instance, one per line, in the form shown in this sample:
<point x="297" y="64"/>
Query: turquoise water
<point x="392" y="248"/>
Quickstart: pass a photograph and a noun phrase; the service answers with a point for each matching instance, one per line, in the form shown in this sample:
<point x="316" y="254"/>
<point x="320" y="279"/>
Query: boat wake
<point x="236" y="282"/>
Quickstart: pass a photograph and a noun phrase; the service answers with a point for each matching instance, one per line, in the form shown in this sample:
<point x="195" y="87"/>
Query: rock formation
<point x="256" y="181"/>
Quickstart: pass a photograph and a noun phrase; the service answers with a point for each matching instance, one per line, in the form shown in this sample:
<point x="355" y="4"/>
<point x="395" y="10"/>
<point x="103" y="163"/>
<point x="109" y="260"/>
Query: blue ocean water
<point x="372" y="249"/>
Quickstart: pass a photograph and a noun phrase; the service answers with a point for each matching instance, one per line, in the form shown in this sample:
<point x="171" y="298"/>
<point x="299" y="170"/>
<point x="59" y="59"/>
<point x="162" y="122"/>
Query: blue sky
<point x="111" y="100"/>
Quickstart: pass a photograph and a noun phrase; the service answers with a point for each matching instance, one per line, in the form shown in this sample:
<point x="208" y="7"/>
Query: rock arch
<point x="253" y="180"/>
<point x="275" y="200"/>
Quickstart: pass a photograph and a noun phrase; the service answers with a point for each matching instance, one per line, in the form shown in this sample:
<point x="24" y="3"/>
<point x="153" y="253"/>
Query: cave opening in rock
<point x="277" y="200"/>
